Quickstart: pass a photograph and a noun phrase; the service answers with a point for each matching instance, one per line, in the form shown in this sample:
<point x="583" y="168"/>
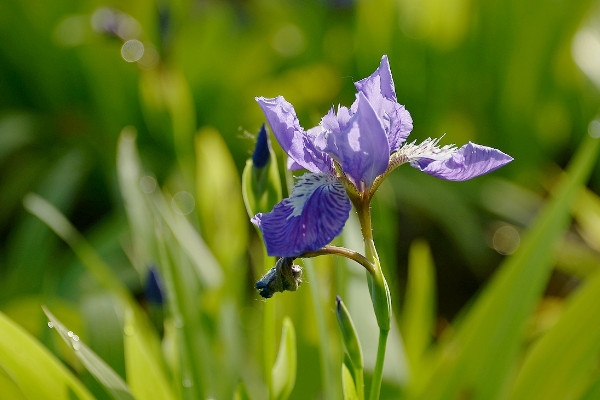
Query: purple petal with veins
<point x="310" y="218"/>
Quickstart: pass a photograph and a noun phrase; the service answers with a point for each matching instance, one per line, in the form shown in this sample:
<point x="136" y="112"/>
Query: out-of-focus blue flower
<point x="153" y="287"/>
<point x="356" y="145"/>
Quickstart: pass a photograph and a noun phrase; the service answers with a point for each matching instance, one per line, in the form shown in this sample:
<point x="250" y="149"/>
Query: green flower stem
<point x="378" y="371"/>
<point x="378" y="288"/>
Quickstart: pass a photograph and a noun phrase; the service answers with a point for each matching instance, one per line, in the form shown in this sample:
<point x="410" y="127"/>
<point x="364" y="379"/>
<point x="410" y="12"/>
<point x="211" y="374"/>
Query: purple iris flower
<point x="353" y="149"/>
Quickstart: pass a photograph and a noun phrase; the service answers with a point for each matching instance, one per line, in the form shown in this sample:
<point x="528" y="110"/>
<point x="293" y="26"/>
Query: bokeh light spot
<point x="506" y="239"/>
<point x="288" y="41"/>
<point x="148" y="184"/>
<point x="183" y="202"/>
<point x="594" y="129"/>
<point x="132" y="50"/>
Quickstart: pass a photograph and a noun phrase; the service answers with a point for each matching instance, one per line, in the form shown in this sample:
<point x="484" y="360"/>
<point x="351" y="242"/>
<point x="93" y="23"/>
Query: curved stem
<point x="341" y="251"/>
<point x="378" y="371"/>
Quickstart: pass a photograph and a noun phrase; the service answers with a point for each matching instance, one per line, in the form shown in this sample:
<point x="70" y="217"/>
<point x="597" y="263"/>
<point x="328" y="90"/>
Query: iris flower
<point x="347" y="156"/>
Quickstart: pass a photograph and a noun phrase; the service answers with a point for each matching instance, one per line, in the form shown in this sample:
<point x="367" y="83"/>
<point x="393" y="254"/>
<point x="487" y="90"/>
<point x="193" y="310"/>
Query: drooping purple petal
<point x="452" y="164"/>
<point x="290" y="135"/>
<point x="310" y="218"/>
<point x="379" y="90"/>
<point x="360" y="144"/>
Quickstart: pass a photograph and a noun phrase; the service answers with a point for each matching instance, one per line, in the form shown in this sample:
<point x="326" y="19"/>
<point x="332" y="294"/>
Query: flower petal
<point x="380" y="84"/>
<point x="361" y="147"/>
<point x="310" y="218"/>
<point x="290" y="135"/>
<point x="452" y="164"/>
<point x="379" y="90"/>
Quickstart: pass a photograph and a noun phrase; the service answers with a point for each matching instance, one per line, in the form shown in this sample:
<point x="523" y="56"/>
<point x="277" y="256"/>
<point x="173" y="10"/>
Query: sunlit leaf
<point x="241" y="393"/>
<point x="111" y="381"/>
<point x="284" y="371"/>
<point x="219" y="198"/>
<point x="145" y="374"/>
<point x="348" y="387"/>
<point x="28" y="370"/>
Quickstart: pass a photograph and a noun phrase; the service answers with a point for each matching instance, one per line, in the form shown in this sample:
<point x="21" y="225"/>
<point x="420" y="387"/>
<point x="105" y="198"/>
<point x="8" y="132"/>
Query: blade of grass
<point x="67" y="232"/>
<point x="181" y="289"/>
<point x="138" y="213"/>
<point x="207" y="267"/>
<point x="111" y="381"/>
<point x="476" y="361"/>
<point x="35" y="372"/>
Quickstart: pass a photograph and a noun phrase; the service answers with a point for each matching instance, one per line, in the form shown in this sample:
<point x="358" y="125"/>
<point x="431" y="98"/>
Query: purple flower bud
<point x="261" y="154"/>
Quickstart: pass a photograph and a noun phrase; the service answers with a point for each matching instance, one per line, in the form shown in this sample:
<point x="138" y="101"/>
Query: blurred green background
<point x="519" y="76"/>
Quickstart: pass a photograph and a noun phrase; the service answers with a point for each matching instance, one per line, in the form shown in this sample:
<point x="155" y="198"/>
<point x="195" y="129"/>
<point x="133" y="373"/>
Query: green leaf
<point x="52" y="217"/>
<point x="348" y="387"/>
<point x="139" y="214"/>
<point x="349" y="335"/>
<point x="283" y="375"/>
<point x="477" y="360"/>
<point x="241" y="393"/>
<point x="94" y="364"/>
<point x="560" y="364"/>
<point x="29" y="370"/>
<point x="9" y="388"/>
<point x="220" y="205"/>
<point x="143" y="361"/>
<point x="206" y="266"/>
<point x="191" y="376"/>
<point x="419" y="305"/>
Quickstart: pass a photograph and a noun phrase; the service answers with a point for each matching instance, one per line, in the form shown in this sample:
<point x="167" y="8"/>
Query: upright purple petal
<point x="379" y="84"/>
<point x="290" y="135"/>
<point x="379" y="90"/>
<point x="361" y="147"/>
<point x="452" y="164"/>
<point x="399" y="124"/>
<point x="310" y="218"/>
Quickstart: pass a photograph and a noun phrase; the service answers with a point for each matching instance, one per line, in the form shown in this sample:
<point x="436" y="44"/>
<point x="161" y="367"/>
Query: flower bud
<point x="261" y="185"/>
<point x="261" y="154"/>
<point x="380" y="297"/>
<point x="283" y="276"/>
